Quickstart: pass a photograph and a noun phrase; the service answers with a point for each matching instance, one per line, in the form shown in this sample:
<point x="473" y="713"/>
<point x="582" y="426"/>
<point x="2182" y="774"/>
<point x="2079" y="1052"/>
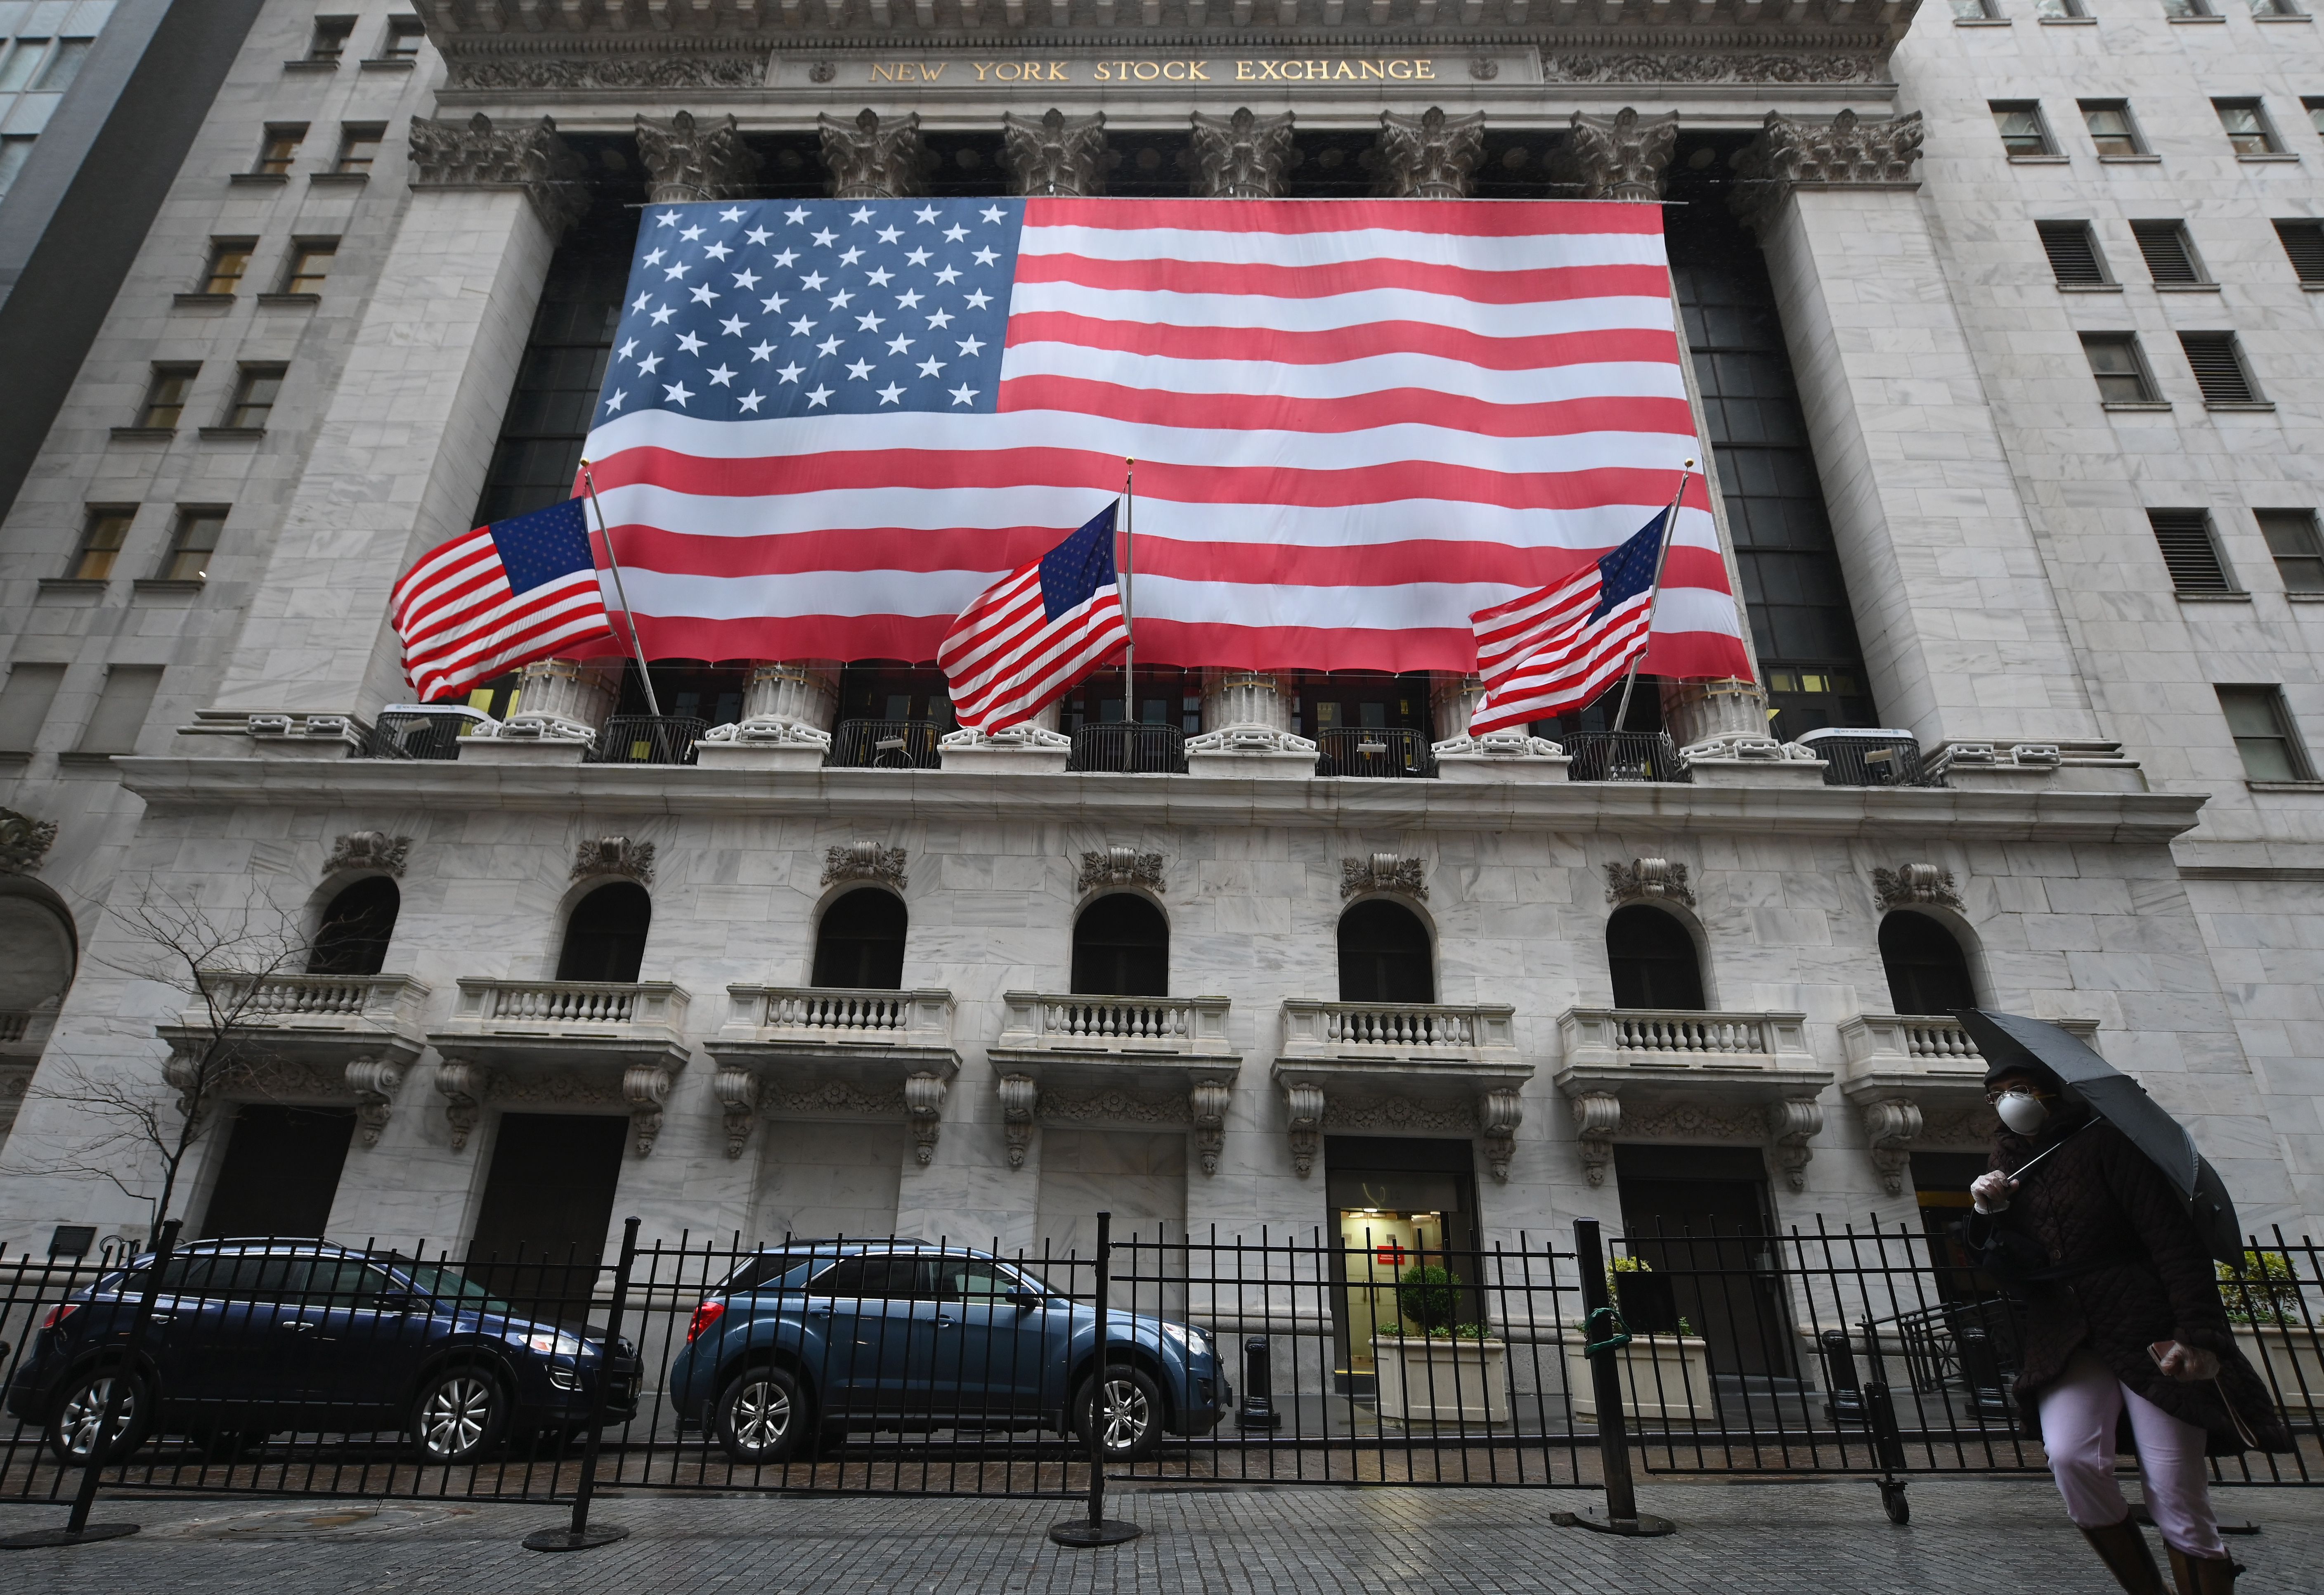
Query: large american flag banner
<point x="827" y="425"/>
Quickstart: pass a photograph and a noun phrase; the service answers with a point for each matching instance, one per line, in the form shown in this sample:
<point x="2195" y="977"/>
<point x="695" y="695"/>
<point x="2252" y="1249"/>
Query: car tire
<point x="80" y="1407"/>
<point x="761" y="1416"/>
<point x="1133" y="1414"/>
<point x="460" y="1414"/>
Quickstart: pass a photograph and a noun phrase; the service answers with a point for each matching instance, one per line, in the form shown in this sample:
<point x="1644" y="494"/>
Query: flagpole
<point x="1653" y="594"/>
<point x="644" y="675"/>
<point x="1129" y="627"/>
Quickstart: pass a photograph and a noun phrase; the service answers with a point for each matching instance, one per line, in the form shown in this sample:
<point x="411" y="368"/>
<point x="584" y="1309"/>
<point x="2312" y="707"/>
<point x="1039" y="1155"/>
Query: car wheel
<point x="760" y="1416"/>
<point x="1131" y="1423"/>
<point x="72" y="1428"/>
<point x="460" y="1414"/>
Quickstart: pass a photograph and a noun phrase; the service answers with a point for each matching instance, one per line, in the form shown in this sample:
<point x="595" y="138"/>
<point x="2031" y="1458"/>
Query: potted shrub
<point x="2262" y="1301"/>
<point x="1433" y="1370"/>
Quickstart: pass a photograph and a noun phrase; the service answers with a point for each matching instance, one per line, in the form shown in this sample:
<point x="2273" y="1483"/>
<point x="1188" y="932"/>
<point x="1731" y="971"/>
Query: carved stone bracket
<point x="615" y="855"/>
<point x="1620" y="157"/>
<point x="1792" y="1122"/>
<point x="1499" y="1112"/>
<point x="738" y="1095"/>
<point x="1597" y="1115"/>
<point x="1245" y="156"/>
<point x="1647" y="880"/>
<point x="924" y="1096"/>
<point x="1909" y="884"/>
<point x="1431" y="156"/>
<point x="1847" y="151"/>
<point x="475" y="154"/>
<point x="1209" y="1101"/>
<point x="1120" y="866"/>
<point x="24" y="842"/>
<point x="1018" y="1096"/>
<point x="375" y="1082"/>
<point x="368" y="850"/>
<point x="462" y="1086"/>
<point x="1892" y="1126"/>
<point x="864" y="861"/>
<point x="871" y="158"/>
<point x="1054" y="153"/>
<point x="1383" y="872"/>
<point x="1306" y="1105"/>
<point x="645" y="1087"/>
<point x="689" y="160"/>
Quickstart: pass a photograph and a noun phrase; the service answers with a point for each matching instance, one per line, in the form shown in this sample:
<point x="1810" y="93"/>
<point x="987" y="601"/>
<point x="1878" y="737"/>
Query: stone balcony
<point x="1918" y="1080"/>
<point x="1678" y="1073"/>
<point x="1085" y="1059"/>
<point x="316" y="1038"/>
<point x="562" y="1044"/>
<point x="836" y="1052"/>
<point x="1401" y="1068"/>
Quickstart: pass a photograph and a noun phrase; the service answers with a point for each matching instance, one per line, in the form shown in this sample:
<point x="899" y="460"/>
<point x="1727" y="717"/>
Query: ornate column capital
<point x="1304" y="1103"/>
<point x="1431" y="156"/>
<point x="1207" y="1105"/>
<point x="1499" y="1112"/>
<point x="871" y="159"/>
<point x="375" y="1082"/>
<point x="690" y="160"/>
<point x="1620" y="157"/>
<point x="1020" y="1095"/>
<point x="738" y="1095"/>
<point x="1245" y="156"/>
<point x="1054" y="153"/>
<point x="1846" y="150"/>
<point x="475" y="154"/>
<point x="462" y="1086"/>
<point x="1792" y="1122"/>
<point x="1597" y="1115"/>
<point x="1891" y="1125"/>
<point x="923" y="1097"/>
<point x="645" y="1087"/>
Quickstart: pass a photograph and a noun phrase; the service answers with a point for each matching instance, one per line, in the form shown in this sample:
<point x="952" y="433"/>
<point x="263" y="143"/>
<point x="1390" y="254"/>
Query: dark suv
<point x="819" y="1340"/>
<point x="252" y="1337"/>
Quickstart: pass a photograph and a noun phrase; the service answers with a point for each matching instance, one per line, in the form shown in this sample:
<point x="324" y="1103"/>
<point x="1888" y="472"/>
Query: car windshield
<point x="445" y="1286"/>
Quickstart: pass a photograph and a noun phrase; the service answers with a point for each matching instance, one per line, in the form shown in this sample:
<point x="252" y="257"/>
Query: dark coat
<point x="2098" y="1246"/>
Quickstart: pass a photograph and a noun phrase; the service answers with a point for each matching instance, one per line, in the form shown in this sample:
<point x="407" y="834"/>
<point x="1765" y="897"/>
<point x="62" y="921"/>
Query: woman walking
<point x="2122" y="1314"/>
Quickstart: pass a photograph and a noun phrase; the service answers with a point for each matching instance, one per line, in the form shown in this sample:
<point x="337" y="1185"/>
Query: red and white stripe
<point x="1541" y="656"/>
<point x="1007" y="662"/>
<point x="1357" y="422"/>
<point x="462" y="626"/>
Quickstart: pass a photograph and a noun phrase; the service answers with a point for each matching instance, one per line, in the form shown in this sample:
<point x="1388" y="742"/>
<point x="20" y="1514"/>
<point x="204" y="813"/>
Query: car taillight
<point x="58" y="1313"/>
<point x="704" y="1316"/>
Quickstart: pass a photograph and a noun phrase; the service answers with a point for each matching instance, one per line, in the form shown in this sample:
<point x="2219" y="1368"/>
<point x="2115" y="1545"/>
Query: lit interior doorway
<point x="1398" y="1206"/>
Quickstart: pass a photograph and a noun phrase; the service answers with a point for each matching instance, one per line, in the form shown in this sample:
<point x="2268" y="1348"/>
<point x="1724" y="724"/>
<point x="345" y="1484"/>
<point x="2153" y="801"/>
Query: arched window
<point x="353" y="939"/>
<point x="1654" y="959"/>
<point x="605" y="939"/>
<point x="1384" y="954"/>
<point x="1927" y="972"/>
<point x="861" y="942"/>
<point x="1121" y="948"/>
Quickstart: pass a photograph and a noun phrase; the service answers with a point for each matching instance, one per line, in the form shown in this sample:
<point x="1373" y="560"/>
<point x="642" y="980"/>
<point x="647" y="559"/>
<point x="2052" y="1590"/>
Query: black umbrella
<point x="2007" y="1038"/>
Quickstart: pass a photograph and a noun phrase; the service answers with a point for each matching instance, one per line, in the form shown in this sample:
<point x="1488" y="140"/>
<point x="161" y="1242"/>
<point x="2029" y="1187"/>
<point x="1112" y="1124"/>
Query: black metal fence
<point x="646" y="739"/>
<point x="1874" y="762"/>
<point x="1394" y="752"/>
<point x="885" y="744"/>
<point x="900" y="1366"/>
<point x="1624" y="756"/>
<point x="412" y="733"/>
<point x="1124" y="749"/>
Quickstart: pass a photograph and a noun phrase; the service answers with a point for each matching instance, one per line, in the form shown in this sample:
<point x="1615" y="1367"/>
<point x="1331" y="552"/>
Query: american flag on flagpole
<point x="1040" y="628"/>
<point x="1552" y="652"/>
<point x="503" y="595"/>
<point x="827" y="425"/>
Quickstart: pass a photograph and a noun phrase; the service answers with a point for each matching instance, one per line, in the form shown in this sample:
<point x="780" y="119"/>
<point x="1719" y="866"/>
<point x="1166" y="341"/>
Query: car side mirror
<point x="395" y="1303"/>
<point x="1026" y="1300"/>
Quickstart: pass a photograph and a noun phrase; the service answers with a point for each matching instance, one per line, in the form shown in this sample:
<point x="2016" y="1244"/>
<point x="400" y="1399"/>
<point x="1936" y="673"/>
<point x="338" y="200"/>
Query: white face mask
<point x="2022" y="1112"/>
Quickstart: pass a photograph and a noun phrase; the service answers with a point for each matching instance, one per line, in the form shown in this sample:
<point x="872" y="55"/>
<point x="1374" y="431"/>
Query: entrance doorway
<point x="1406" y="1215"/>
<point x="279" y="1173"/>
<point x="1702" y="1214"/>
<point x="549" y="1197"/>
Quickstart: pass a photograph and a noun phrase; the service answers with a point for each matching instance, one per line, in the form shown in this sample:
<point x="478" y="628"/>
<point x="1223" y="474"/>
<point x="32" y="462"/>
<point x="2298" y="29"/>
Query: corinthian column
<point x="872" y="159"/>
<point x="1620" y="157"/>
<point x="689" y="160"/>
<point x="1057" y="154"/>
<point x="1244" y="156"/>
<point x="1431" y="156"/>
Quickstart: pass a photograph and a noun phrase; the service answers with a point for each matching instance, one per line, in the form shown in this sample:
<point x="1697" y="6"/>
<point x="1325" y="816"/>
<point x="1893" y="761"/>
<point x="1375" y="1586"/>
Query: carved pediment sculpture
<point x="1431" y="156"/>
<point x="1244" y="156"/>
<point x="368" y="850"/>
<point x="872" y="157"/>
<point x="1383" y="871"/>
<point x="1120" y="866"/>
<point x="1054" y="153"/>
<point x="1911" y="884"/>
<point x="1648" y="880"/>
<point x="864" y="861"/>
<point x="614" y="855"/>
<point x="24" y="842"/>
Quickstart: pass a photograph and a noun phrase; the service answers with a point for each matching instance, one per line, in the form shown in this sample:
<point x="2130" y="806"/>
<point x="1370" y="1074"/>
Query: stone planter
<point x="1665" y="1378"/>
<point x="2288" y="1360"/>
<point x="1438" y="1379"/>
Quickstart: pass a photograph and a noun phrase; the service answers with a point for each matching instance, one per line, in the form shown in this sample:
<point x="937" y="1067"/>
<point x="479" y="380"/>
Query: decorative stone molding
<point x="1054" y="153"/>
<point x="1597" y="1115"/>
<point x="462" y="1086"/>
<point x="1383" y="872"/>
<point x="1431" y="156"/>
<point x="1891" y="1125"/>
<point x="1399" y="1115"/>
<point x="1020" y="1094"/>
<point x="614" y="855"/>
<point x="688" y="160"/>
<point x="738" y="1094"/>
<point x="1245" y="156"/>
<point x="864" y="861"/>
<point x="1120" y="866"/>
<point x="765" y="731"/>
<point x="645" y="1087"/>
<point x="924" y="1096"/>
<point x="1305" y="1106"/>
<point x="1027" y="749"/>
<point x="1115" y="1106"/>
<point x="531" y="727"/>
<point x="1845" y="152"/>
<point x="475" y="154"/>
<point x="375" y="1082"/>
<point x="1208" y="1104"/>
<point x="1649" y="880"/>
<point x="1910" y="884"/>
<point x="870" y="158"/>
<point x="368" y="850"/>
<point x="24" y="842"/>
<point x="1792" y="1122"/>
<point x="689" y="68"/>
<point x="1499" y="1113"/>
<point x="1620" y="157"/>
<point x="1708" y="66"/>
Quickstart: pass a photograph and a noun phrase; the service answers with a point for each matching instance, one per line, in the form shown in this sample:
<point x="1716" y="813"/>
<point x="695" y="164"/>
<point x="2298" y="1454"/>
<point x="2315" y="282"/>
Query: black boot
<point x="2203" y="1575"/>
<point x="2124" y="1550"/>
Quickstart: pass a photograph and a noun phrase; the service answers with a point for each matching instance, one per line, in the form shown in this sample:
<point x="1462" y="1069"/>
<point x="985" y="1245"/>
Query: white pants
<point x="2078" y="1428"/>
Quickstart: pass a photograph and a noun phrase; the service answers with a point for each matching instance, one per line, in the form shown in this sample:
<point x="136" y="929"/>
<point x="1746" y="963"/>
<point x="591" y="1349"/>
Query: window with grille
<point x="331" y="38"/>
<point x="101" y="538"/>
<point x="2189" y="552"/>
<point x="359" y="146"/>
<point x="255" y="388"/>
<point x="2303" y="245"/>
<point x="2246" y="127"/>
<point x="2296" y="546"/>
<point x="2261" y="724"/>
<point x="2020" y="124"/>
<point x="192" y="541"/>
<point x="311" y="264"/>
<point x="123" y="704"/>
<point x="2218" y="361"/>
<point x="279" y="149"/>
<point x="166" y="393"/>
<point x="2112" y="132"/>
<point x="2074" y="254"/>
<point x="2169" y="253"/>
<point x="228" y="263"/>
<point x="2116" y="363"/>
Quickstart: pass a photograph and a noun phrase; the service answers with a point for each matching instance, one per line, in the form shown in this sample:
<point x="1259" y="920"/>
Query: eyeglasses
<point x="2035" y="1092"/>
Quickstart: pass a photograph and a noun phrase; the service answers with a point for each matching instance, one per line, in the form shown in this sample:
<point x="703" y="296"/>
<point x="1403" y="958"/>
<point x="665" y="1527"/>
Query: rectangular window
<point x="2057" y="11"/>
<point x="359" y="145"/>
<point x="2074" y="254"/>
<point x="255" y="391"/>
<point x="2021" y="127"/>
<point x="25" y="704"/>
<point x="280" y="148"/>
<point x="2185" y="8"/>
<point x="2314" y="107"/>
<point x="2297" y="547"/>
<point x="17" y="67"/>
<point x="2190" y="550"/>
<point x="2273" y="8"/>
<point x="2116" y="363"/>
<point x="192" y="543"/>
<point x="101" y="536"/>
<point x="2169" y="253"/>
<point x="2303" y="245"/>
<point x="123" y="704"/>
<point x="15" y="149"/>
<point x="2220" y="370"/>
<point x="310" y="263"/>
<point x="2112" y="132"/>
<point x="2246" y="126"/>
<point x="404" y="36"/>
<point x="229" y="261"/>
<point x="330" y="39"/>
<point x="165" y="395"/>
<point x="64" y="66"/>
<point x="2261" y="724"/>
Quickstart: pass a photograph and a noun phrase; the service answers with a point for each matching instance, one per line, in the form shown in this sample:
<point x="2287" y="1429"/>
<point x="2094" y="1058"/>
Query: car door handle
<point x="297" y="1325"/>
<point x="948" y="1324"/>
<point x="162" y="1318"/>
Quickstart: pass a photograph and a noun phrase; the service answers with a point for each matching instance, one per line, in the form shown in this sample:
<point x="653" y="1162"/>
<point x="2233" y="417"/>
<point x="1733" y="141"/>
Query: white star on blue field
<point x="766" y="308"/>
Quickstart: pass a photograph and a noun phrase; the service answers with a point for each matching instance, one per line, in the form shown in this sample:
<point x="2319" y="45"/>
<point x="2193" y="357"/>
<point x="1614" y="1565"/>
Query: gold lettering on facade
<point x="1180" y="69"/>
<point x="912" y="71"/>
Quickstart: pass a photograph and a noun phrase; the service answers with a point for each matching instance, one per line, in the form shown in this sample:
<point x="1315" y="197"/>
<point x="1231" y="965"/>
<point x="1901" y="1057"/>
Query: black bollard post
<point x="1602" y="1330"/>
<point x="578" y="1535"/>
<point x="1843" y="1401"/>
<point x="1257" y="1386"/>
<point x="1083" y="1534"/>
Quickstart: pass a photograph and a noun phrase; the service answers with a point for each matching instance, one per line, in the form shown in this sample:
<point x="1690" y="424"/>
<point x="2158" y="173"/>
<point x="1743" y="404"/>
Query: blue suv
<point x="823" y="1338"/>
<point x="252" y="1337"/>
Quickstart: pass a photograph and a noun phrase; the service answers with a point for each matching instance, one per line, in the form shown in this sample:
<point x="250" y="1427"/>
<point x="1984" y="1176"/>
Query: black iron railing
<point x="1874" y="762"/>
<point x="1624" y="756"/>
<point x="642" y="739"/>
<point x="1392" y="751"/>
<point x="1123" y="749"/>
<point x="410" y="733"/>
<point x="885" y="744"/>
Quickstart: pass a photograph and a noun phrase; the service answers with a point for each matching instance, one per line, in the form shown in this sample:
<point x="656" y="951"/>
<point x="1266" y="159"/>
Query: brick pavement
<point x="1967" y="1537"/>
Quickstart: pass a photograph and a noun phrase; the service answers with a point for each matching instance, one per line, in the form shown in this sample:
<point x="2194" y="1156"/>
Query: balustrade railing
<point x="1078" y="1022"/>
<point x="1311" y="1027"/>
<point x="287" y="995"/>
<point x="569" y="1003"/>
<point x="1118" y="1018"/>
<point x="1675" y="1032"/>
<point x="1936" y="1038"/>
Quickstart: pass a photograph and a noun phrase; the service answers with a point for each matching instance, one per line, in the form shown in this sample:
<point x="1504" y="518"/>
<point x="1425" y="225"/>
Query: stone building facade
<point x="2004" y="333"/>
